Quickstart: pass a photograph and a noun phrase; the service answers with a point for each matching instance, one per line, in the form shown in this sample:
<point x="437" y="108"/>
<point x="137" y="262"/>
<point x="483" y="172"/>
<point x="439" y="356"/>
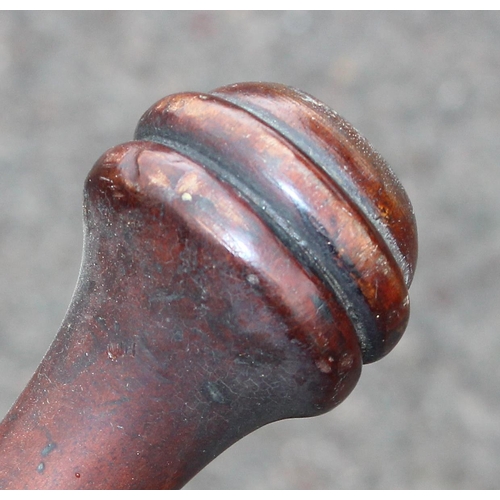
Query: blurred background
<point x="423" y="87"/>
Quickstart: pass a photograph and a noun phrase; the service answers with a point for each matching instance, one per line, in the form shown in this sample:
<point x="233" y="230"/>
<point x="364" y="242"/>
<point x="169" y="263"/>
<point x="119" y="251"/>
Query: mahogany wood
<point x="243" y="257"/>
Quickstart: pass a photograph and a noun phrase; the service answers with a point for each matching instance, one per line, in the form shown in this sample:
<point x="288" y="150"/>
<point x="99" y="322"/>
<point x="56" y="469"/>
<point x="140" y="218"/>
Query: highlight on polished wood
<point x="243" y="256"/>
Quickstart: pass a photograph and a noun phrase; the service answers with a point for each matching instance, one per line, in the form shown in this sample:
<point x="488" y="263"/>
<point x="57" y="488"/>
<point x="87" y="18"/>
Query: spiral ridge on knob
<point x="321" y="188"/>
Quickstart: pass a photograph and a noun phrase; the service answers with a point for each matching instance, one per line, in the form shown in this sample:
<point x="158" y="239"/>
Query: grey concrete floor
<point x="424" y="87"/>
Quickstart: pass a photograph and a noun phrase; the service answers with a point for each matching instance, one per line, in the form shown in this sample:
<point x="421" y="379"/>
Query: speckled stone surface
<point x="423" y="87"/>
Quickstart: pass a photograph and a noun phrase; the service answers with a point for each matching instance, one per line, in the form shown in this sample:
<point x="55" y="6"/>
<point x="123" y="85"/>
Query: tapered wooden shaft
<point x="228" y="280"/>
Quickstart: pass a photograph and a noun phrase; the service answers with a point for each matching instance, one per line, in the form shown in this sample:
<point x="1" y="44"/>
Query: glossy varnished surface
<point x="317" y="183"/>
<point x="191" y="326"/>
<point x="234" y="273"/>
<point x="338" y="149"/>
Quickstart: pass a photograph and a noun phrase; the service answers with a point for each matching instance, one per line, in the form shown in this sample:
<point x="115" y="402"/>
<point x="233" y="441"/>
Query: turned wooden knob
<point x="243" y="256"/>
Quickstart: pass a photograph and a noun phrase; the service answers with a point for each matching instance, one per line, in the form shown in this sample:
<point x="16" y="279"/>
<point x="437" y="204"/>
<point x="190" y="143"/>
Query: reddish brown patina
<point x="243" y="257"/>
